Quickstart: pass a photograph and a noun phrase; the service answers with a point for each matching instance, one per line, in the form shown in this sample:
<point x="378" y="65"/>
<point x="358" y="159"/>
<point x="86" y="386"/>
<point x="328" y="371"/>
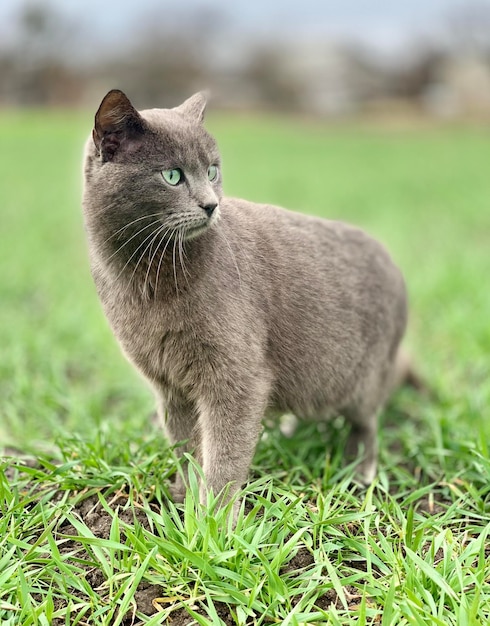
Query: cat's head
<point x="157" y="167"/>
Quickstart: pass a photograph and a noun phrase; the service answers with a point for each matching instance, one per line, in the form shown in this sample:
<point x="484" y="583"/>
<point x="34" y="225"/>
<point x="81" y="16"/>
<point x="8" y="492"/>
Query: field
<point x="87" y="533"/>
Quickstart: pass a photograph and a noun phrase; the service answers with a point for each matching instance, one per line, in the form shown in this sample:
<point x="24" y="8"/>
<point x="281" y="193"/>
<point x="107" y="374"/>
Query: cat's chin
<point x="197" y="231"/>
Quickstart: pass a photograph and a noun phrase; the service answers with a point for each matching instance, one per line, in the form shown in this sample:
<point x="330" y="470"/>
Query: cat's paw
<point x="365" y="472"/>
<point x="177" y="490"/>
<point x="362" y="447"/>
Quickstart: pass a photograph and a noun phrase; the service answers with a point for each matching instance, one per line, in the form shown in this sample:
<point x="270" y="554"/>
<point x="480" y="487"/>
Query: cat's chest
<point x="157" y="337"/>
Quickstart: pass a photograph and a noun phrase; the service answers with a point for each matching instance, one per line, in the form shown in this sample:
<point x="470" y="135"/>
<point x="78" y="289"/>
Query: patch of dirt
<point x="331" y="598"/>
<point x="302" y="559"/>
<point x="181" y="617"/>
<point x="145" y="595"/>
<point x="99" y="521"/>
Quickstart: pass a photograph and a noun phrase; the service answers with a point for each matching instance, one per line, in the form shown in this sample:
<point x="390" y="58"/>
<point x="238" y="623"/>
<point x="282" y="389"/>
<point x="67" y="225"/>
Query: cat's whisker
<point x="161" y="258"/>
<point x="220" y="231"/>
<point x="151" y="255"/>
<point x="134" y="254"/>
<point x="120" y="230"/>
<point x="132" y="237"/>
<point x="185" y="257"/>
<point x="150" y="263"/>
<point x="153" y="236"/>
<point x="137" y="249"/>
<point x="181" y="248"/>
<point x="174" y="263"/>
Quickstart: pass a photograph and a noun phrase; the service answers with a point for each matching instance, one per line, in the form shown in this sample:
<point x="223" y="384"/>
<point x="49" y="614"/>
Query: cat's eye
<point x="213" y="173"/>
<point x="173" y="177"/>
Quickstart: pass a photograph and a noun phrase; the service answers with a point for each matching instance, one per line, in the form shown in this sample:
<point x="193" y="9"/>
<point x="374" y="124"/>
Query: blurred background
<point x="323" y="58"/>
<point x="373" y="112"/>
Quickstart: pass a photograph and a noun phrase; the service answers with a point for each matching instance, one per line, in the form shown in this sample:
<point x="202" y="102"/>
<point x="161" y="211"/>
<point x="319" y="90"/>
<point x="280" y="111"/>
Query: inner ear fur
<point x="117" y="122"/>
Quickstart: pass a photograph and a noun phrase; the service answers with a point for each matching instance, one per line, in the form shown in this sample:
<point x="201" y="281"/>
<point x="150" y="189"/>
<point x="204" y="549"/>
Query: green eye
<point x="172" y="177"/>
<point x="212" y="173"/>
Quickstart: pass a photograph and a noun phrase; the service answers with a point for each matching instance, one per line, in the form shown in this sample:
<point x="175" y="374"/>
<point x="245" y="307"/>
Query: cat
<point x="230" y="308"/>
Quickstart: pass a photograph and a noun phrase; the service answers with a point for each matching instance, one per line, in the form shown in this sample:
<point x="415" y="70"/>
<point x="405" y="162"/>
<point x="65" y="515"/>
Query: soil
<point x="99" y="521"/>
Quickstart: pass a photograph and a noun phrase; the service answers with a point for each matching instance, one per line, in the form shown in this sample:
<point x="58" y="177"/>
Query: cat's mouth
<point x="192" y="231"/>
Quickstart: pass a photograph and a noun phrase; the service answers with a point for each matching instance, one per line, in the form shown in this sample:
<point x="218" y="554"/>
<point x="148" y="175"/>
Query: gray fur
<point x="251" y="309"/>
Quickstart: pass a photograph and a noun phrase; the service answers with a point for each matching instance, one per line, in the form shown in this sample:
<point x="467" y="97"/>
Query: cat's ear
<point x="117" y="124"/>
<point x="194" y="107"/>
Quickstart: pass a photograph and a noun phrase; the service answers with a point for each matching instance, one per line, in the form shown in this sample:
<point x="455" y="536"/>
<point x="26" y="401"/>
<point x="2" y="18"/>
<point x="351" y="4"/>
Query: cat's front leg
<point x="179" y="417"/>
<point x="230" y="426"/>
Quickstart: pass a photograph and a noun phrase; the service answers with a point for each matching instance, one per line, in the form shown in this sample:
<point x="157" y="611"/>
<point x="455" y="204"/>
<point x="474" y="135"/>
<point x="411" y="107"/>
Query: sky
<point x="382" y="23"/>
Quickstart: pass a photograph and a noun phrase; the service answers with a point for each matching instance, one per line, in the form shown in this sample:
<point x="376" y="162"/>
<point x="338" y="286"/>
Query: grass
<point x="87" y="533"/>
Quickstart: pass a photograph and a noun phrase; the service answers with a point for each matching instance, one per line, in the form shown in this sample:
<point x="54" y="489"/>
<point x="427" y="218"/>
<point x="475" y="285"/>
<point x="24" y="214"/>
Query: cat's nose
<point x="209" y="208"/>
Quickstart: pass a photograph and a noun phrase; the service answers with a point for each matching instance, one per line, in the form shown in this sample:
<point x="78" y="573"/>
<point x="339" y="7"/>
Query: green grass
<point x="87" y="533"/>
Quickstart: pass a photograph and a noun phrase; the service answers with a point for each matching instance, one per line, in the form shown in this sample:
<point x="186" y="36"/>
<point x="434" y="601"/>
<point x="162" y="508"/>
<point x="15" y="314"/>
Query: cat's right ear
<point x="117" y="125"/>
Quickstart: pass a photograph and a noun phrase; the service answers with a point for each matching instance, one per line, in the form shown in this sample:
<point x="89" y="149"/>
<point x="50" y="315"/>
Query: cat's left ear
<point x="194" y="107"/>
<point x="118" y="125"/>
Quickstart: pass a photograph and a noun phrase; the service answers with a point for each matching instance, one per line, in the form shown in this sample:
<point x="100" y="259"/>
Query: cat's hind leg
<point x="363" y="444"/>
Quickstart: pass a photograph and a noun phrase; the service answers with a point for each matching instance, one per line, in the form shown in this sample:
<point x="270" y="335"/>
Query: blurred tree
<point x="468" y="29"/>
<point x="34" y="71"/>
<point x="168" y="58"/>
<point x="267" y="76"/>
<point x="177" y="49"/>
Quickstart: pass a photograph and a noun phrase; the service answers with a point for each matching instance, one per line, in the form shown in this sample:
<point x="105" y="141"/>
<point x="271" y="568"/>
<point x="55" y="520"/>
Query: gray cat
<point x="230" y="308"/>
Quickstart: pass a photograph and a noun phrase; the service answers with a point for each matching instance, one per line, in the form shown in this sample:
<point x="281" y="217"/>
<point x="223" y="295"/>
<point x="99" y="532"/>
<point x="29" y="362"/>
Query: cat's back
<point x="309" y="246"/>
<point x="335" y="302"/>
<point x="317" y="273"/>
